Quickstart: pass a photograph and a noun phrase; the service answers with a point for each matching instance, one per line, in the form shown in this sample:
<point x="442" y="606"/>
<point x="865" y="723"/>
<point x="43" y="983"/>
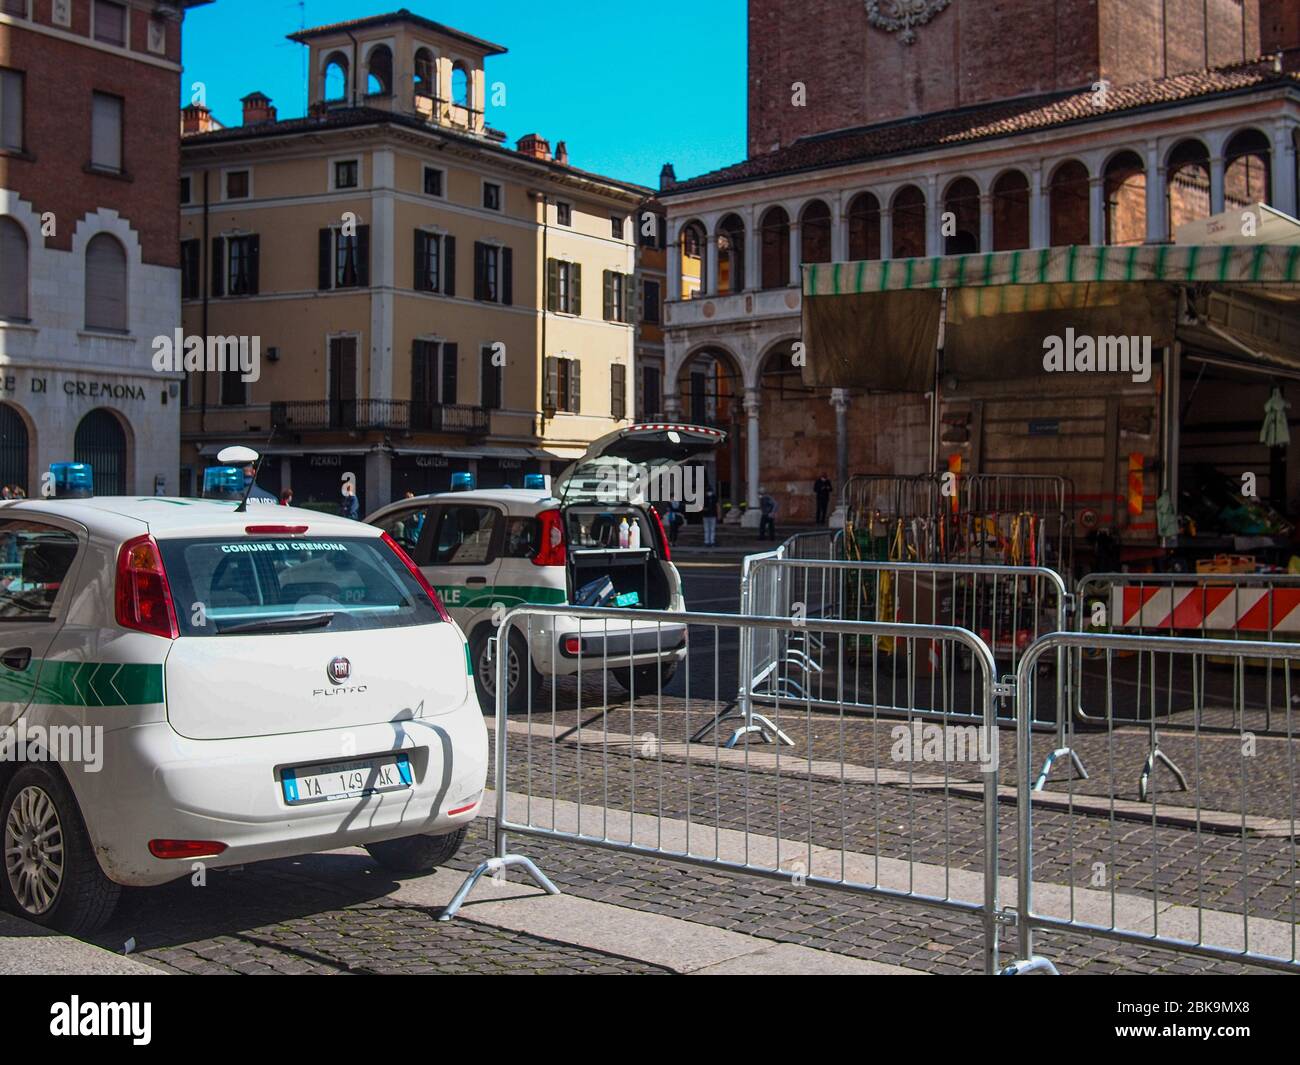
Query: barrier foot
<point x="1060" y="752"/>
<point x="1157" y="755"/>
<point x="763" y="727"/>
<point x="1030" y="965"/>
<point x="495" y="866"/>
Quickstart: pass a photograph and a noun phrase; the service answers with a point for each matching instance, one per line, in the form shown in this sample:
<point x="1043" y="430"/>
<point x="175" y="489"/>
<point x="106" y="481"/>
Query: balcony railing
<point x="401" y="415"/>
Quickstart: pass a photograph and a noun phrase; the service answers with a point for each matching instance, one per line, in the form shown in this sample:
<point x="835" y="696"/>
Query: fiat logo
<point x="338" y="670"/>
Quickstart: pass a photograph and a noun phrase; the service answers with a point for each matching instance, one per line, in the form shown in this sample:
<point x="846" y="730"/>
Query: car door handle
<point x="476" y="580"/>
<point x="17" y="659"/>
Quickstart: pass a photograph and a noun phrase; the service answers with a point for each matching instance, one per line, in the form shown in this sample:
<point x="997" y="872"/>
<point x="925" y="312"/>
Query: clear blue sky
<point x="629" y="88"/>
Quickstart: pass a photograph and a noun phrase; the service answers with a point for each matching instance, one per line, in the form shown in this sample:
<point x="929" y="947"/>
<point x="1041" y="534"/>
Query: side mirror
<point x="237" y="455"/>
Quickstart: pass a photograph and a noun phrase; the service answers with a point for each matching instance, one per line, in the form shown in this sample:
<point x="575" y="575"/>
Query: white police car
<point x="187" y="682"/>
<point x="594" y="540"/>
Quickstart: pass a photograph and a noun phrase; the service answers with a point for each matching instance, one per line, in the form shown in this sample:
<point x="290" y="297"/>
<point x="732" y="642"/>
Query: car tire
<point x="39" y="803"/>
<point x="484" y="682"/>
<point x="417" y="854"/>
<point x="645" y="680"/>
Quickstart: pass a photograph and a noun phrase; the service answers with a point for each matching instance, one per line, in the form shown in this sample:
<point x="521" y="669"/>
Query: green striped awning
<point x="1265" y="264"/>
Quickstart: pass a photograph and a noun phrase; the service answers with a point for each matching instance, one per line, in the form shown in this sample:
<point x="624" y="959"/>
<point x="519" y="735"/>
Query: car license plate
<point x="345" y="780"/>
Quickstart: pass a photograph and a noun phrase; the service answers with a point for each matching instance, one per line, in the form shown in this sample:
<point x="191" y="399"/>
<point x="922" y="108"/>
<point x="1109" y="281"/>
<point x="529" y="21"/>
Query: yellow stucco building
<point x="423" y="298"/>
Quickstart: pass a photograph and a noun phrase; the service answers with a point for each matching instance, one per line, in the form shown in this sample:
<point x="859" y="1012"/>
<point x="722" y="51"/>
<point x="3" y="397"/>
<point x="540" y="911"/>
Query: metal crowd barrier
<point x="622" y="776"/>
<point x="1206" y="870"/>
<point x="1230" y="606"/>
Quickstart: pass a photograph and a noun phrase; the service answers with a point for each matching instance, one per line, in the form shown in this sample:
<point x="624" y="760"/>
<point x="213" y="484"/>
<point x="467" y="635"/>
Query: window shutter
<point x="575" y="290"/>
<point x="218" y="267"/>
<point x="420" y="273"/>
<point x="608" y="310"/>
<point x="11" y="109"/>
<point x="254" y="257"/>
<point x="480" y="282"/>
<point x="552" y="284"/>
<point x="363" y="256"/>
<point x="490" y="384"/>
<point x="106" y="131"/>
<point x="575" y="386"/>
<point x="630" y="301"/>
<point x="450" y="361"/>
<point x="449" y="266"/>
<point x="105" y="284"/>
<point x="507" y="276"/>
<point x="551" y="394"/>
<point x="618" y="391"/>
<point x="189" y="267"/>
<point x="325" y="263"/>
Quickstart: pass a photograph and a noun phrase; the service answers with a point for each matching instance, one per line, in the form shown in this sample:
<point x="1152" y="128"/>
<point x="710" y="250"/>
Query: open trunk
<point x="595" y="557"/>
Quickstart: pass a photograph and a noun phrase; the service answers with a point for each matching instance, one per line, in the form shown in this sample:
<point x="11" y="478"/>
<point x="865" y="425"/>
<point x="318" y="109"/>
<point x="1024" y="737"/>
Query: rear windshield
<point x="229" y="586"/>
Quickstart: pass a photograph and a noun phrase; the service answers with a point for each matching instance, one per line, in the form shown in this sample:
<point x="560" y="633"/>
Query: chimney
<point x="562" y="153"/>
<point x="196" y="119"/>
<point x="667" y="177"/>
<point x="535" y="145"/>
<point x="257" y="108"/>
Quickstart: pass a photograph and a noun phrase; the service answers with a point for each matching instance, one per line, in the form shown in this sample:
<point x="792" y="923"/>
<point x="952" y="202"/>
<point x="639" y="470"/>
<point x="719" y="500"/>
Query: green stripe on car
<point x="57" y="683"/>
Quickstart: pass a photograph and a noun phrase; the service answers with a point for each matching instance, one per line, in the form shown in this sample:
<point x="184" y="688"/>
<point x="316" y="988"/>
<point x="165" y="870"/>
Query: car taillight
<point x="550" y="550"/>
<point x="663" y="536"/>
<point x="414" y="571"/>
<point x="185" y="848"/>
<point x="144" y="599"/>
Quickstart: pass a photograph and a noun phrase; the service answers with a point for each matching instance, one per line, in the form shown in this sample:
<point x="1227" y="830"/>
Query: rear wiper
<point x="293" y="623"/>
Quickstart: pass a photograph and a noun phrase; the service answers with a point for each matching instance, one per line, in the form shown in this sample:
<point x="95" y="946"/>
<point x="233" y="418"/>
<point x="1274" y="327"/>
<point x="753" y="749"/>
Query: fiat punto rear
<point x="252" y="685"/>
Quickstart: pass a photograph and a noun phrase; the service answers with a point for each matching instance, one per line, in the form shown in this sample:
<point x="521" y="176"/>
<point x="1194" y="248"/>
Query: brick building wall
<point x="856" y="74"/>
<point x="60" y="77"/>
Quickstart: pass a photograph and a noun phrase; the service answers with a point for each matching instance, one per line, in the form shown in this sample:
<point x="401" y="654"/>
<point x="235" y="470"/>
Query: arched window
<point x="864" y="227"/>
<point x="13" y="269"/>
<point x="1010" y="211"/>
<point x="379" y="76"/>
<point x="1126" y="199"/>
<point x="692" y="259"/>
<point x="815" y="233"/>
<point x="1247" y="164"/>
<point x="1187" y="190"/>
<point x="336" y="77"/>
<point x="460" y="85"/>
<point x="1070" y="211"/>
<point x="13" y="447"/>
<point x="909" y="223"/>
<point x="426" y="73"/>
<point x="101" y="443"/>
<point x="961" y="220"/>
<point x="774" y="231"/>
<point x="731" y="255"/>
<point x="106" y="284"/>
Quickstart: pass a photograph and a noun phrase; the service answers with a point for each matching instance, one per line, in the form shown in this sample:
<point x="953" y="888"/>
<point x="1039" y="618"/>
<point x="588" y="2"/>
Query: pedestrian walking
<point x="676" y="519"/>
<point x="286" y="497"/>
<point x="822" y="490"/>
<point x="349" y="506"/>
<point x="766" y="515"/>
<point x="710" y="516"/>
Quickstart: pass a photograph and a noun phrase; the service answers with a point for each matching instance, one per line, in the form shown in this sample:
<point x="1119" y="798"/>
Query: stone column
<point x="711" y="256"/>
<point x="1040" y="210"/>
<point x="840" y="401"/>
<point x="1217" y="168"/>
<point x="674" y="271"/>
<point x="1157" y="216"/>
<point x="986" y="223"/>
<point x="1097" y="210"/>
<point x="933" y="217"/>
<point x="839" y="231"/>
<point x="796" y="255"/>
<point x="1283" y="159"/>
<point x="752" y="405"/>
<point x="379" y="481"/>
<point x="753" y="243"/>
<point x="886" y="233"/>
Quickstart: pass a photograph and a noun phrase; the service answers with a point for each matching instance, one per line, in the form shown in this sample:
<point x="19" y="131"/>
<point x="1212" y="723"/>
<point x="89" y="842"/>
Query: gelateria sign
<point x="13" y="386"/>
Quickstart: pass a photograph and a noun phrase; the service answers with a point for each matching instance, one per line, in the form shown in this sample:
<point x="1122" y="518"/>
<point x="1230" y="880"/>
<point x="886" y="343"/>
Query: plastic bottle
<point x="634" y="535"/>
<point x="623" y="533"/>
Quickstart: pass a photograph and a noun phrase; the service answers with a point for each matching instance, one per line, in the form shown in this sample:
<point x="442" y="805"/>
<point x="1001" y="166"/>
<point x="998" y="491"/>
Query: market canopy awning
<point x="875" y="324"/>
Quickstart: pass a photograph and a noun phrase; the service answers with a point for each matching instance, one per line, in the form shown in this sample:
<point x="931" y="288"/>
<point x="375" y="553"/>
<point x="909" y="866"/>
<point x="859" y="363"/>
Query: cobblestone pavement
<point x="1217" y="870"/>
<point x="284" y="917"/>
<point x="915" y="936"/>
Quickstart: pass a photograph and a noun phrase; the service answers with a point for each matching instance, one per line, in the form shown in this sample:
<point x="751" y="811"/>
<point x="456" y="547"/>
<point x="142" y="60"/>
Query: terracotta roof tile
<point x="900" y="137"/>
